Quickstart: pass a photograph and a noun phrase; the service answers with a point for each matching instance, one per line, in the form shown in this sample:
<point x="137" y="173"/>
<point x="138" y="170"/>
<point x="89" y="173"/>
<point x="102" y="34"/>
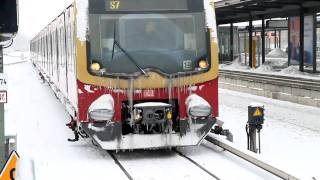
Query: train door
<point x="53" y="52"/>
<point x="71" y="75"/>
<point x="56" y="66"/>
<point x="62" y="56"/>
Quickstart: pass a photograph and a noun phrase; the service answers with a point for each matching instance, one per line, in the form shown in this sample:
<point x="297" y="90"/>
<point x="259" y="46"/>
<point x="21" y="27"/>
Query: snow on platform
<point x="277" y="52"/>
<point x="276" y="64"/>
<point x="290" y="135"/>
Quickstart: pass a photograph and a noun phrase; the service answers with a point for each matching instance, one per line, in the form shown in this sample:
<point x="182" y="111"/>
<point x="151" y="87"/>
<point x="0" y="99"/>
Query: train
<point x="133" y="74"/>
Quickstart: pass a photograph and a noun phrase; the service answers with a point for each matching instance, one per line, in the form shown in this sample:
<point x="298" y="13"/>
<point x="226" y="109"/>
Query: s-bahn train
<point x="134" y="74"/>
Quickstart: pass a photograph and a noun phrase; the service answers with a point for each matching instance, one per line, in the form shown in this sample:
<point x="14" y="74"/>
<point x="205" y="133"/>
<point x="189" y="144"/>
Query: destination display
<point x="114" y="6"/>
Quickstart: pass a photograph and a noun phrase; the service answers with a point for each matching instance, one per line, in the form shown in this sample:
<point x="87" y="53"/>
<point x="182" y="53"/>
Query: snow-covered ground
<point x="290" y="136"/>
<point x="39" y="121"/>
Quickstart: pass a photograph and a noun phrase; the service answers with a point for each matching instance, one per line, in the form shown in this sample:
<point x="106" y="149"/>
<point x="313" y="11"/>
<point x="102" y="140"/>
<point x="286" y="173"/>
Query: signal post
<point x="2" y="135"/>
<point x="8" y="29"/>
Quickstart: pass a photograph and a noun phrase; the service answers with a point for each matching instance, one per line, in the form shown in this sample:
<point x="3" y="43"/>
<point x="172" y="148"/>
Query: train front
<point x="147" y="73"/>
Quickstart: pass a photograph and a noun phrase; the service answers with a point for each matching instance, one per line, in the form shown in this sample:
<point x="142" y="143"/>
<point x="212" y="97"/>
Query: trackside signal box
<point x="8" y="16"/>
<point x="255" y="114"/>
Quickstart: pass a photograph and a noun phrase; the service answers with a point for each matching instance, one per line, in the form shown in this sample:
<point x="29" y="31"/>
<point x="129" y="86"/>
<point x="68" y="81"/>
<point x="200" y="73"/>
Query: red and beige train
<point x="133" y="73"/>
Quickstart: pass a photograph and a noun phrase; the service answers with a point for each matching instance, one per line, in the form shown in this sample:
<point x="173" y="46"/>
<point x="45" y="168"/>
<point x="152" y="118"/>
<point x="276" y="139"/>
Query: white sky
<point x="34" y="15"/>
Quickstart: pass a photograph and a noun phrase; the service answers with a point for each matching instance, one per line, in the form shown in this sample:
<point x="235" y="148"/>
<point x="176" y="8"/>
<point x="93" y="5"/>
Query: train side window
<point x="73" y="47"/>
<point x="57" y="47"/>
<point x="50" y="53"/>
<point x="60" y="47"/>
<point x="68" y="45"/>
<point x="63" y="48"/>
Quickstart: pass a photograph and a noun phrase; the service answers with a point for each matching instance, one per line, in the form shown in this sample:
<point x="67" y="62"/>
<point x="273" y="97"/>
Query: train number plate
<point x="3" y="82"/>
<point x="148" y="93"/>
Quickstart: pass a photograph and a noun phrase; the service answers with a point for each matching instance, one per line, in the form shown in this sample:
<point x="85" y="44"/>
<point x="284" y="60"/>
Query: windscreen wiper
<point x="115" y="42"/>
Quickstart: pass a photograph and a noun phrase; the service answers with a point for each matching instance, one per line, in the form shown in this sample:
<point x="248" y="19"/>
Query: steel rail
<point x="296" y="82"/>
<point x="120" y="165"/>
<point x="197" y="164"/>
<point x="246" y="156"/>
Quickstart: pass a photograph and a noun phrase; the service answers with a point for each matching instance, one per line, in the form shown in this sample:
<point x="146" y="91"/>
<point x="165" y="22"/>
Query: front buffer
<point x="109" y="136"/>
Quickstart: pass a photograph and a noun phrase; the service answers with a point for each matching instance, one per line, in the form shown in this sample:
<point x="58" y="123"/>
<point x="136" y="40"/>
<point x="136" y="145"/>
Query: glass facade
<point x="224" y="43"/>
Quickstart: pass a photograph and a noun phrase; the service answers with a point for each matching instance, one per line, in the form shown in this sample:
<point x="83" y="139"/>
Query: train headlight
<point x="102" y="109"/>
<point x="203" y="64"/>
<point x="197" y="106"/>
<point x="169" y="115"/>
<point x="95" y="67"/>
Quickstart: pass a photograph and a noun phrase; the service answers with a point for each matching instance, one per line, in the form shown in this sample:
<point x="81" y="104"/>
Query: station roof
<point x="233" y="11"/>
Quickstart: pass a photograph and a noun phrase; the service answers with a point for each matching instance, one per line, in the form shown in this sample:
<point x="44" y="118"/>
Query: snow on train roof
<point x="210" y="17"/>
<point x="82" y="19"/>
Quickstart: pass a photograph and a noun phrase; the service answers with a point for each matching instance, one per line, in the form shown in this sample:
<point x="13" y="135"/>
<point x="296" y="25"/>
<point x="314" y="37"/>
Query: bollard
<point x="254" y="126"/>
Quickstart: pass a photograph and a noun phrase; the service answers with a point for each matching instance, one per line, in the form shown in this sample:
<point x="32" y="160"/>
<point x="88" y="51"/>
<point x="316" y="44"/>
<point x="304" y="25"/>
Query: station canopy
<point x="233" y="11"/>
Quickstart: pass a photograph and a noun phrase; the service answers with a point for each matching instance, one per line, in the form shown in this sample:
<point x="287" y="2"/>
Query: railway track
<point x="117" y="161"/>
<point x="296" y="82"/>
<point x="197" y="164"/>
<point x="250" y="157"/>
<point x="111" y="153"/>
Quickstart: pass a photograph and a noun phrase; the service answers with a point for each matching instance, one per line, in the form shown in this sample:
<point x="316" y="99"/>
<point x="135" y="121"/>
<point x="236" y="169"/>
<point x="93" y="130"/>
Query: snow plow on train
<point x="134" y="75"/>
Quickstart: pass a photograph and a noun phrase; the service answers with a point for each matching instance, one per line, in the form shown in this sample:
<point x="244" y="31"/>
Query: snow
<point x="151" y="104"/>
<point x="256" y="104"/>
<point x="265" y="68"/>
<point x="274" y="66"/>
<point x="290" y="139"/>
<point x="97" y="129"/>
<point x="88" y="88"/>
<point x="290" y="136"/>
<point x="210" y="17"/>
<point x="39" y="120"/>
<point x="277" y="52"/>
<point x="294" y="70"/>
<point x="103" y="102"/>
<point x="15" y="57"/>
<point x="194" y="100"/>
<point x="82" y="19"/>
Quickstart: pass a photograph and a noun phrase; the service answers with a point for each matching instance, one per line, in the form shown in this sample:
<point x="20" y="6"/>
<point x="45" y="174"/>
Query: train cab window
<point x="153" y="40"/>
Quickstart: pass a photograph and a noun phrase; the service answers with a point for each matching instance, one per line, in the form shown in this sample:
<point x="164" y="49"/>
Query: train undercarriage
<point x="153" y="124"/>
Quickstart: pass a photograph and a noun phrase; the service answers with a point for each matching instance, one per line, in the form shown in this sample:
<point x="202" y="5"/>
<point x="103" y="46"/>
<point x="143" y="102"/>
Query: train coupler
<point x="42" y="78"/>
<point x="73" y="126"/>
<point x="76" y="137"/>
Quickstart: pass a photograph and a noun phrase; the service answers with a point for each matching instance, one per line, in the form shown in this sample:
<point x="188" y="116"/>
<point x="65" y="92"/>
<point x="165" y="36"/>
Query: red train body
<point x="126" y="91"/>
